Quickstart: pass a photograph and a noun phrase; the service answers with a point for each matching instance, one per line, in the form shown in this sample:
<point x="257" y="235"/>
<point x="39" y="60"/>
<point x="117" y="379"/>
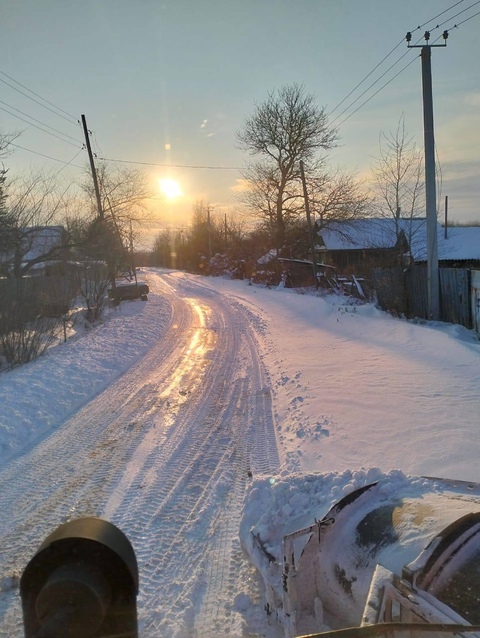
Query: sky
<point x="356" y="396"/>
<point x="172" y="82"/>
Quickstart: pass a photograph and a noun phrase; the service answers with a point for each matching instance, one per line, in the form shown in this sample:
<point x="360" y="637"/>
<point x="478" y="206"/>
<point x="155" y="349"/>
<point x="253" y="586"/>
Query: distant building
<point x="386" y="241"/>
<point x="32" y="249"/>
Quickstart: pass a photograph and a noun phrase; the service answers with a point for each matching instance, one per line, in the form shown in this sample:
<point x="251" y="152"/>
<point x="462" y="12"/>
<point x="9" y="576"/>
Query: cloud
<point x="203" y="124"/>
<point x="241" y="186"/>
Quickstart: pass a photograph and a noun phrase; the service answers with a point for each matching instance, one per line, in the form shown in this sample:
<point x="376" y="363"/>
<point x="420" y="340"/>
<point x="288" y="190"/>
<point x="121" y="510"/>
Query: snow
<point x="461" y="243"/>
<point x="36" y="398"/>
<point x="357" y="396"/>
<point x="355" y="387"/>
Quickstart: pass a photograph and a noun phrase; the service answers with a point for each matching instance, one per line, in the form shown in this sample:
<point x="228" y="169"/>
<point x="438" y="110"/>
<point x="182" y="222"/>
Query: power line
<point x="213" y="168"/>
<point x="47" y="156"/>
<point x="40" y="122"/>
<point x="38" y="127"/>
<point x="459" y="13"/>
<point x="75" y="120"/>
<point x="369" y="87"/>
<point x="376" y="92"/>
<point x="439" y="14"/>
<point x="70" y="163"/>
<point x="36" y="101"/>
<point x="455" y="26"/>
<point x="365" y="78"/>
<point x="394" y="64"/>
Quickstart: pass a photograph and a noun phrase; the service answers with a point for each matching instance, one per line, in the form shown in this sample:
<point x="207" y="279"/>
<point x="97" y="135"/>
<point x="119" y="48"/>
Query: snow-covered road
<point x="164" y="453"/>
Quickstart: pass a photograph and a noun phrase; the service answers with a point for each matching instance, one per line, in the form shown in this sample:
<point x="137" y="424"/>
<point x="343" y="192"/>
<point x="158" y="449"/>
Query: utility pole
<point x="309" y="222"/>
<point x="209" y="228"/>
<point x="92" y="167"/>
<point x="132" y="255"/>
<point x="446" y="216"/>
<point x="430" y="186"/>
<point x="226" y="231"/>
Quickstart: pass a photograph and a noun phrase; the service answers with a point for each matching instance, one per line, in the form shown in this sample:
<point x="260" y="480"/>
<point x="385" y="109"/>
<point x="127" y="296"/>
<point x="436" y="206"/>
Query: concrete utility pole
<point x="430" y="185"/>
<point x="92" y="167"/>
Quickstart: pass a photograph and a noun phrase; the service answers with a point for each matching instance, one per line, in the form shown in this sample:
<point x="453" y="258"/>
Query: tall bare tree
<point x="124" y="194"/>
<point x="337" y="196"/>
<point x="287" y="127"/>
<point x="32" y="203"/>
<point x="398" y="176"/>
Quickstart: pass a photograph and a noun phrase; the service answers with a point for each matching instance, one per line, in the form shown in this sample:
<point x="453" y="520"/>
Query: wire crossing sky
<point x="166" y="86"/>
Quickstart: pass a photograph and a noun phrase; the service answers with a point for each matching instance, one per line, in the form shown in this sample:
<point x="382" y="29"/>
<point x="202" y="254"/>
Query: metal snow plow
<point x="409" y="558"/>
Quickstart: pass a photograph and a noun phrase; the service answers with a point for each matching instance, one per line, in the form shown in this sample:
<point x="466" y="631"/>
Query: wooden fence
<point x="25" y="298"/>
<point x="406" y="293"/>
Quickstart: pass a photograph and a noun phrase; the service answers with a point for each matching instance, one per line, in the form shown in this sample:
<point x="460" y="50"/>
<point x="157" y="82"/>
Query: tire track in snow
<point x="164" y="453"/>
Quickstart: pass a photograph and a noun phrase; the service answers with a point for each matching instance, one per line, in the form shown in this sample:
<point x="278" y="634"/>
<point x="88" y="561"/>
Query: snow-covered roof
<point x="376" y="232"/>
<point x="40" y="240"/>
<point x="462" y="243"/>
<point x="272" y="254"/>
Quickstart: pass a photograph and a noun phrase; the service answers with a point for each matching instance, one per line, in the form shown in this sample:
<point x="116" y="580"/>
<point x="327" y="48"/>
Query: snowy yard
<point x="261" y="399"/>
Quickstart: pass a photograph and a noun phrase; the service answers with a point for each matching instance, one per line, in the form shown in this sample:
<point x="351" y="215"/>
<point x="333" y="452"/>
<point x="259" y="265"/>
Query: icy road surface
<point x="164" y="453"/>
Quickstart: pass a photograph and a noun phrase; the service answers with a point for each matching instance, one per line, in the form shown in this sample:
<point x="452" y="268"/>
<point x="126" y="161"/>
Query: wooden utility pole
<point x="92" y="167"/>
<point x="209" y="229"/>
<point x="446" y="216"/>
<point x="430" y="186"/>
<point x="226" y="231"/>
<point x="309" y="222"/>
<point x="132" y="255"/>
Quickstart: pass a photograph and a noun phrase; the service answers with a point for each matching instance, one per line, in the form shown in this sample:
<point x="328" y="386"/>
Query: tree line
<point x="287" y="128"/>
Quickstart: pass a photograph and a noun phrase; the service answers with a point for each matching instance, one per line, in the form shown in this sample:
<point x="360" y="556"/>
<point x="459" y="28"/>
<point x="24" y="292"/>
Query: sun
<point x="170" y="188"/>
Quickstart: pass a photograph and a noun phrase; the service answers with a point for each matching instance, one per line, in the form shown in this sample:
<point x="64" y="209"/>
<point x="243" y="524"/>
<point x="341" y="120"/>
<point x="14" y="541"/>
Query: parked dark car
<point x="130" y="290"/>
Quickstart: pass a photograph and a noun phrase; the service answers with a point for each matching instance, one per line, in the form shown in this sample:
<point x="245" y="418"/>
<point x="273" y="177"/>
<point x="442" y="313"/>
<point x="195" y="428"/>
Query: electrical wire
<point x="47" y="156"/>
<point x="439" y="14"/>
<point x="75" y="120"/>
<point x="38" y="127"/>
<point x="455" y="26"/>
<point x="394" y="64"/>
<point x="383" y="60"/>
<point x="366" y="77"/>
<point x="376" y="92"/>
<point x="40" y="122"/>
<point x="368" y="88"/>
<point x="457" y="14"/>
<point x="70" y="163"/>
<point x="214" y="168"/>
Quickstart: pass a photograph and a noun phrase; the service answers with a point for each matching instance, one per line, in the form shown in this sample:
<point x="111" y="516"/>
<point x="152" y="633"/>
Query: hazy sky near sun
<point x="171" y="82"/>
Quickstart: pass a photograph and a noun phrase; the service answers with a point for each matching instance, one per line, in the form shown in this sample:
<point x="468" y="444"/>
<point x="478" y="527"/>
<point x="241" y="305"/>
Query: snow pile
<point x="37" y="397"/>
<point x="352" y="388"/>
<point x="355" y="387"/>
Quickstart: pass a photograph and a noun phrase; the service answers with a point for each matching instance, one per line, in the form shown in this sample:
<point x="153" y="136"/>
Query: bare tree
<point x="6" y="140"/>
<point x="287" y="127"/>
<point x="32" y="204"/>
<point x="398" y="177"/>
<point x="163" y="247"/>
<point x="124" y="194"/>
<point x="337" y="196"/>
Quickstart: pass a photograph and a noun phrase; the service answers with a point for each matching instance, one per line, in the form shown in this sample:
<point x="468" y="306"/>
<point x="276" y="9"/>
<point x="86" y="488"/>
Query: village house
<point x="375" y="242"/>
<point x="34" y="250"/>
